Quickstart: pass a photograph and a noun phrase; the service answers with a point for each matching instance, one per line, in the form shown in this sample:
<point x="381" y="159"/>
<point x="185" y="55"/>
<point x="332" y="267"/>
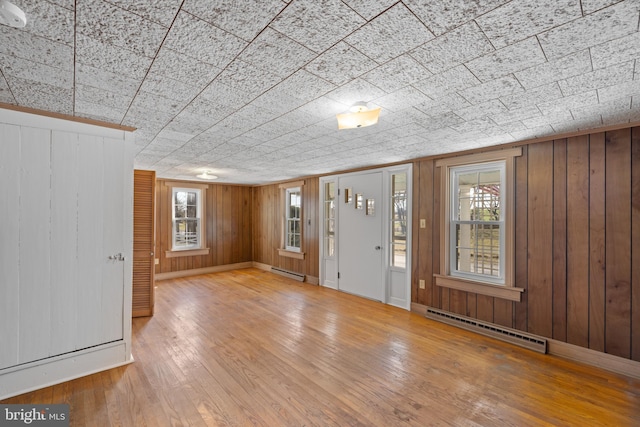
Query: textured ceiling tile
<point x="110" y="24"/>
<point x="34" y="48"/>
<point x="277" y="102"/>
<point x="5" y="94"/>
<point x="101" y="96"/>
<point x="106" y="80"/>
<point x="160" y="11"/>
<point x="537" y="132"/>
<point x="369" y="9"/>
<point x="175" y="136"/>
<point x="204" y="110"/>
<point x="40" y="73"/>
<point x="610" y="93"/>
<point x="169" y="88"/>
<point x="317" y="24"/>
<point x="202" y="41"/>
<point x="225" y="96"/>
<point x="442" y="16"/>
<point x="188" y="121"/>
<point x="276" y="53"/>
<point x="250" y="79"/>
<point x="340" y="63"/>
<point x="491" y="90"/>
<point x="615" y="106"/>
<point x="455" y="79"/>
<point x="45" y="101"/>
<point x="610" y="76"/>
<point x="510" y="59"/>
<point x="489" y="108"/>
<point x="304" y="86"/>
<point x="608" y="24"/>
<point x="50" y="21"/>
<point x="590" y="6"/>
<point x="102" y="112"/>
<point x="241" y="18"/>
<point x="397" y="74"/>
<point x="390" y="35"/>
<point x="29" y="88"/>
<point x="569" y="66"/>
<point x="401" y="99"/>
<point x="516" y="115"/>
<point x="548" y="119"/>
<point x="151" y="101"/>
<point x="520" y="19"/>
<point x="533" y="96"/>
<point x="110" y="58"/>
<point x="569" y="102"/>
<point x="183" y="68"/>
<point x="455" y="47"/>
<point x="355" y="91"/>
<point x="442" y="120"/>
<point x="449" y="102"/>
<point x="68" y="4"/>
<point x="616" y="51"/>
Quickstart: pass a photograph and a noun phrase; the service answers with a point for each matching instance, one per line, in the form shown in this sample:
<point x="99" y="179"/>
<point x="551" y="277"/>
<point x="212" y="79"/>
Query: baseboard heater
<point x="522" y="339"/>
<point x="290" y="274"/>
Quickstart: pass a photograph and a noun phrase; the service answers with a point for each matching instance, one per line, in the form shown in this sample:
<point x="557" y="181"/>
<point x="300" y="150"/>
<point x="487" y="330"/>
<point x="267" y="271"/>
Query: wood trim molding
<point x="489" y="156"/>
<point x="188" y="252"/>
<point x="291" y="184"/>
<point x="505" y="292"/>
<point x="186" y="184"/>
<point x="290" y="254"/>
<point x="576" y="353"/>
<point x="66" y="117"/>
<point x="205" y="270"/>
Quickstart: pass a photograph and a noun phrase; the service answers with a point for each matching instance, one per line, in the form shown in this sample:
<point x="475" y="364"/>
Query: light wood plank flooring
<point x="251" y="348"/>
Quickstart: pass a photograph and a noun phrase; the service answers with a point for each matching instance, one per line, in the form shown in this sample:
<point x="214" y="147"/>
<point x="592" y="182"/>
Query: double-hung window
<point x="187" y="216"/>
<point x="293" y="233"/>
<point x="477" y="237"/>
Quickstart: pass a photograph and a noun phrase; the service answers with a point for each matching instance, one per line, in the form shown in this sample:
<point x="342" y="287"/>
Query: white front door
<point x="360" y="242"/>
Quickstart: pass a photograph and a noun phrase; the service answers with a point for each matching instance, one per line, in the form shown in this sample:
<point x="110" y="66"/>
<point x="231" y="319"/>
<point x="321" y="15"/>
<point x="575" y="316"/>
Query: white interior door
<point x="360" y="241"/>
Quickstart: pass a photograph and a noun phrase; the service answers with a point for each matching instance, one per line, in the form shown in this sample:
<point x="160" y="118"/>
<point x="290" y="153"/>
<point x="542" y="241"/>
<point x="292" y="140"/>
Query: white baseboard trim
<point x="576" y="353"/>
<point x="47" y="372"/>
<point x="205" y="270"/>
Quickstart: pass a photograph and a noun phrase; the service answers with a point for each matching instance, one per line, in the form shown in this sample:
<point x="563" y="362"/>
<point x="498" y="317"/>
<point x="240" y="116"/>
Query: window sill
<point x="505" y="292"/>
<point x="291" y="254"/>
<point x="187" y="252"/>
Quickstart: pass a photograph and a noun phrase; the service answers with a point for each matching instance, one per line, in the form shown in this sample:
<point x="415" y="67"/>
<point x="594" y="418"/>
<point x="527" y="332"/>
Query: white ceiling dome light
<point x="12" y="15"/>
<point x="359" y="116"/>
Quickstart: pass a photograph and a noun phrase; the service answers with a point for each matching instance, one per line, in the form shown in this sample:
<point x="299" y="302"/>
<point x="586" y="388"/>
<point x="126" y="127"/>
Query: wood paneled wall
<point x="267" y="220"/>
<point x="577" y="243"/>
<point x="229" y="228"/>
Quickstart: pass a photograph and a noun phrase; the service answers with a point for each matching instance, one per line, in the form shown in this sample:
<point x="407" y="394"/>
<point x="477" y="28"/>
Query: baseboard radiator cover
<point x="513" y="336"/>
<point x="290" y="274"/>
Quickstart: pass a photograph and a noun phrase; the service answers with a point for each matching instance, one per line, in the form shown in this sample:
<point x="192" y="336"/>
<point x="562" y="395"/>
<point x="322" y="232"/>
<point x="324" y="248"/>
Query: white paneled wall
<point x="66" y="209"/>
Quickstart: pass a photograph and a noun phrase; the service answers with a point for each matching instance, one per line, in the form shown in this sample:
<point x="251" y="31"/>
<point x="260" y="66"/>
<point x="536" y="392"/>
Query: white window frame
<point x="197" y="219"/>
<point x="286" y="250"/>
<point x="448" y="277"/>
<point x="288" y="233"/>
<point x="201" y="247"/>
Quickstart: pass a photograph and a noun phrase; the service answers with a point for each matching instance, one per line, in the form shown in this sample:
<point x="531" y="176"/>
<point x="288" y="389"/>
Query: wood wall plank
<point x="618" y="244"/>
<point x="521" y="239"/>
<point x="436" y="236"/>
<point x="9" y="244"/>
<point x="596" y="241"/>
<point x="34" y="250"/>
<point x="578" y="241"/>
<point x="540" y="238"/>
<point x="635" y="244"/>
<point x="559" y="281"/>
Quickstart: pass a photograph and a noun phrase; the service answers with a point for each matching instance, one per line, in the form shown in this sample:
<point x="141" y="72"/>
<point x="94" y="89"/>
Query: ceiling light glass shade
<point x="359" y="117"/>
<point x="205" y="175"/>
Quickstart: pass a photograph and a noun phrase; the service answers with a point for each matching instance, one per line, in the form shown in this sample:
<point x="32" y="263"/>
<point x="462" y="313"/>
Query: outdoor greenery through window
<point x="399" y="220"/>
<point x="186" y="211"/>
<point x="329" y="218"/>
<point x="293" y="219"/>
<point x="477" y="222"/>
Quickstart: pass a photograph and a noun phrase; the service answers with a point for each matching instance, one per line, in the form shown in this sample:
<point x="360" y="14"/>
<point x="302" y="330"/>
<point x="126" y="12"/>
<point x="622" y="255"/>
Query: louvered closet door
<point x="143" y="242"/>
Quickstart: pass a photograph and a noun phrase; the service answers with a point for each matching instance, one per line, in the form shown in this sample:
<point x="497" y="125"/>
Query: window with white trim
<point x="293" y="212"/>
<point x="186" y="208"/>
<point x="477" y="224"/>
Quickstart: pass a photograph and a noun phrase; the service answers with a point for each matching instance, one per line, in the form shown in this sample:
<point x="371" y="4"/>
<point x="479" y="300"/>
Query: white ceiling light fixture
<point x="359" y="116"/>
<point x="12" y="15"/>
<point x="207" y="175"/>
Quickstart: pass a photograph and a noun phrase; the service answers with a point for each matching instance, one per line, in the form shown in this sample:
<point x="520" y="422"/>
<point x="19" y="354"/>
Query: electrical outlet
<point x="423" y="223"/>
<point x="421" y="284"/>
<point x="157" y="261"/>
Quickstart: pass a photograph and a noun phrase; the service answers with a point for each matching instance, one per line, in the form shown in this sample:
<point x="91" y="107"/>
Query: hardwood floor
<point x="251" y="348"/>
